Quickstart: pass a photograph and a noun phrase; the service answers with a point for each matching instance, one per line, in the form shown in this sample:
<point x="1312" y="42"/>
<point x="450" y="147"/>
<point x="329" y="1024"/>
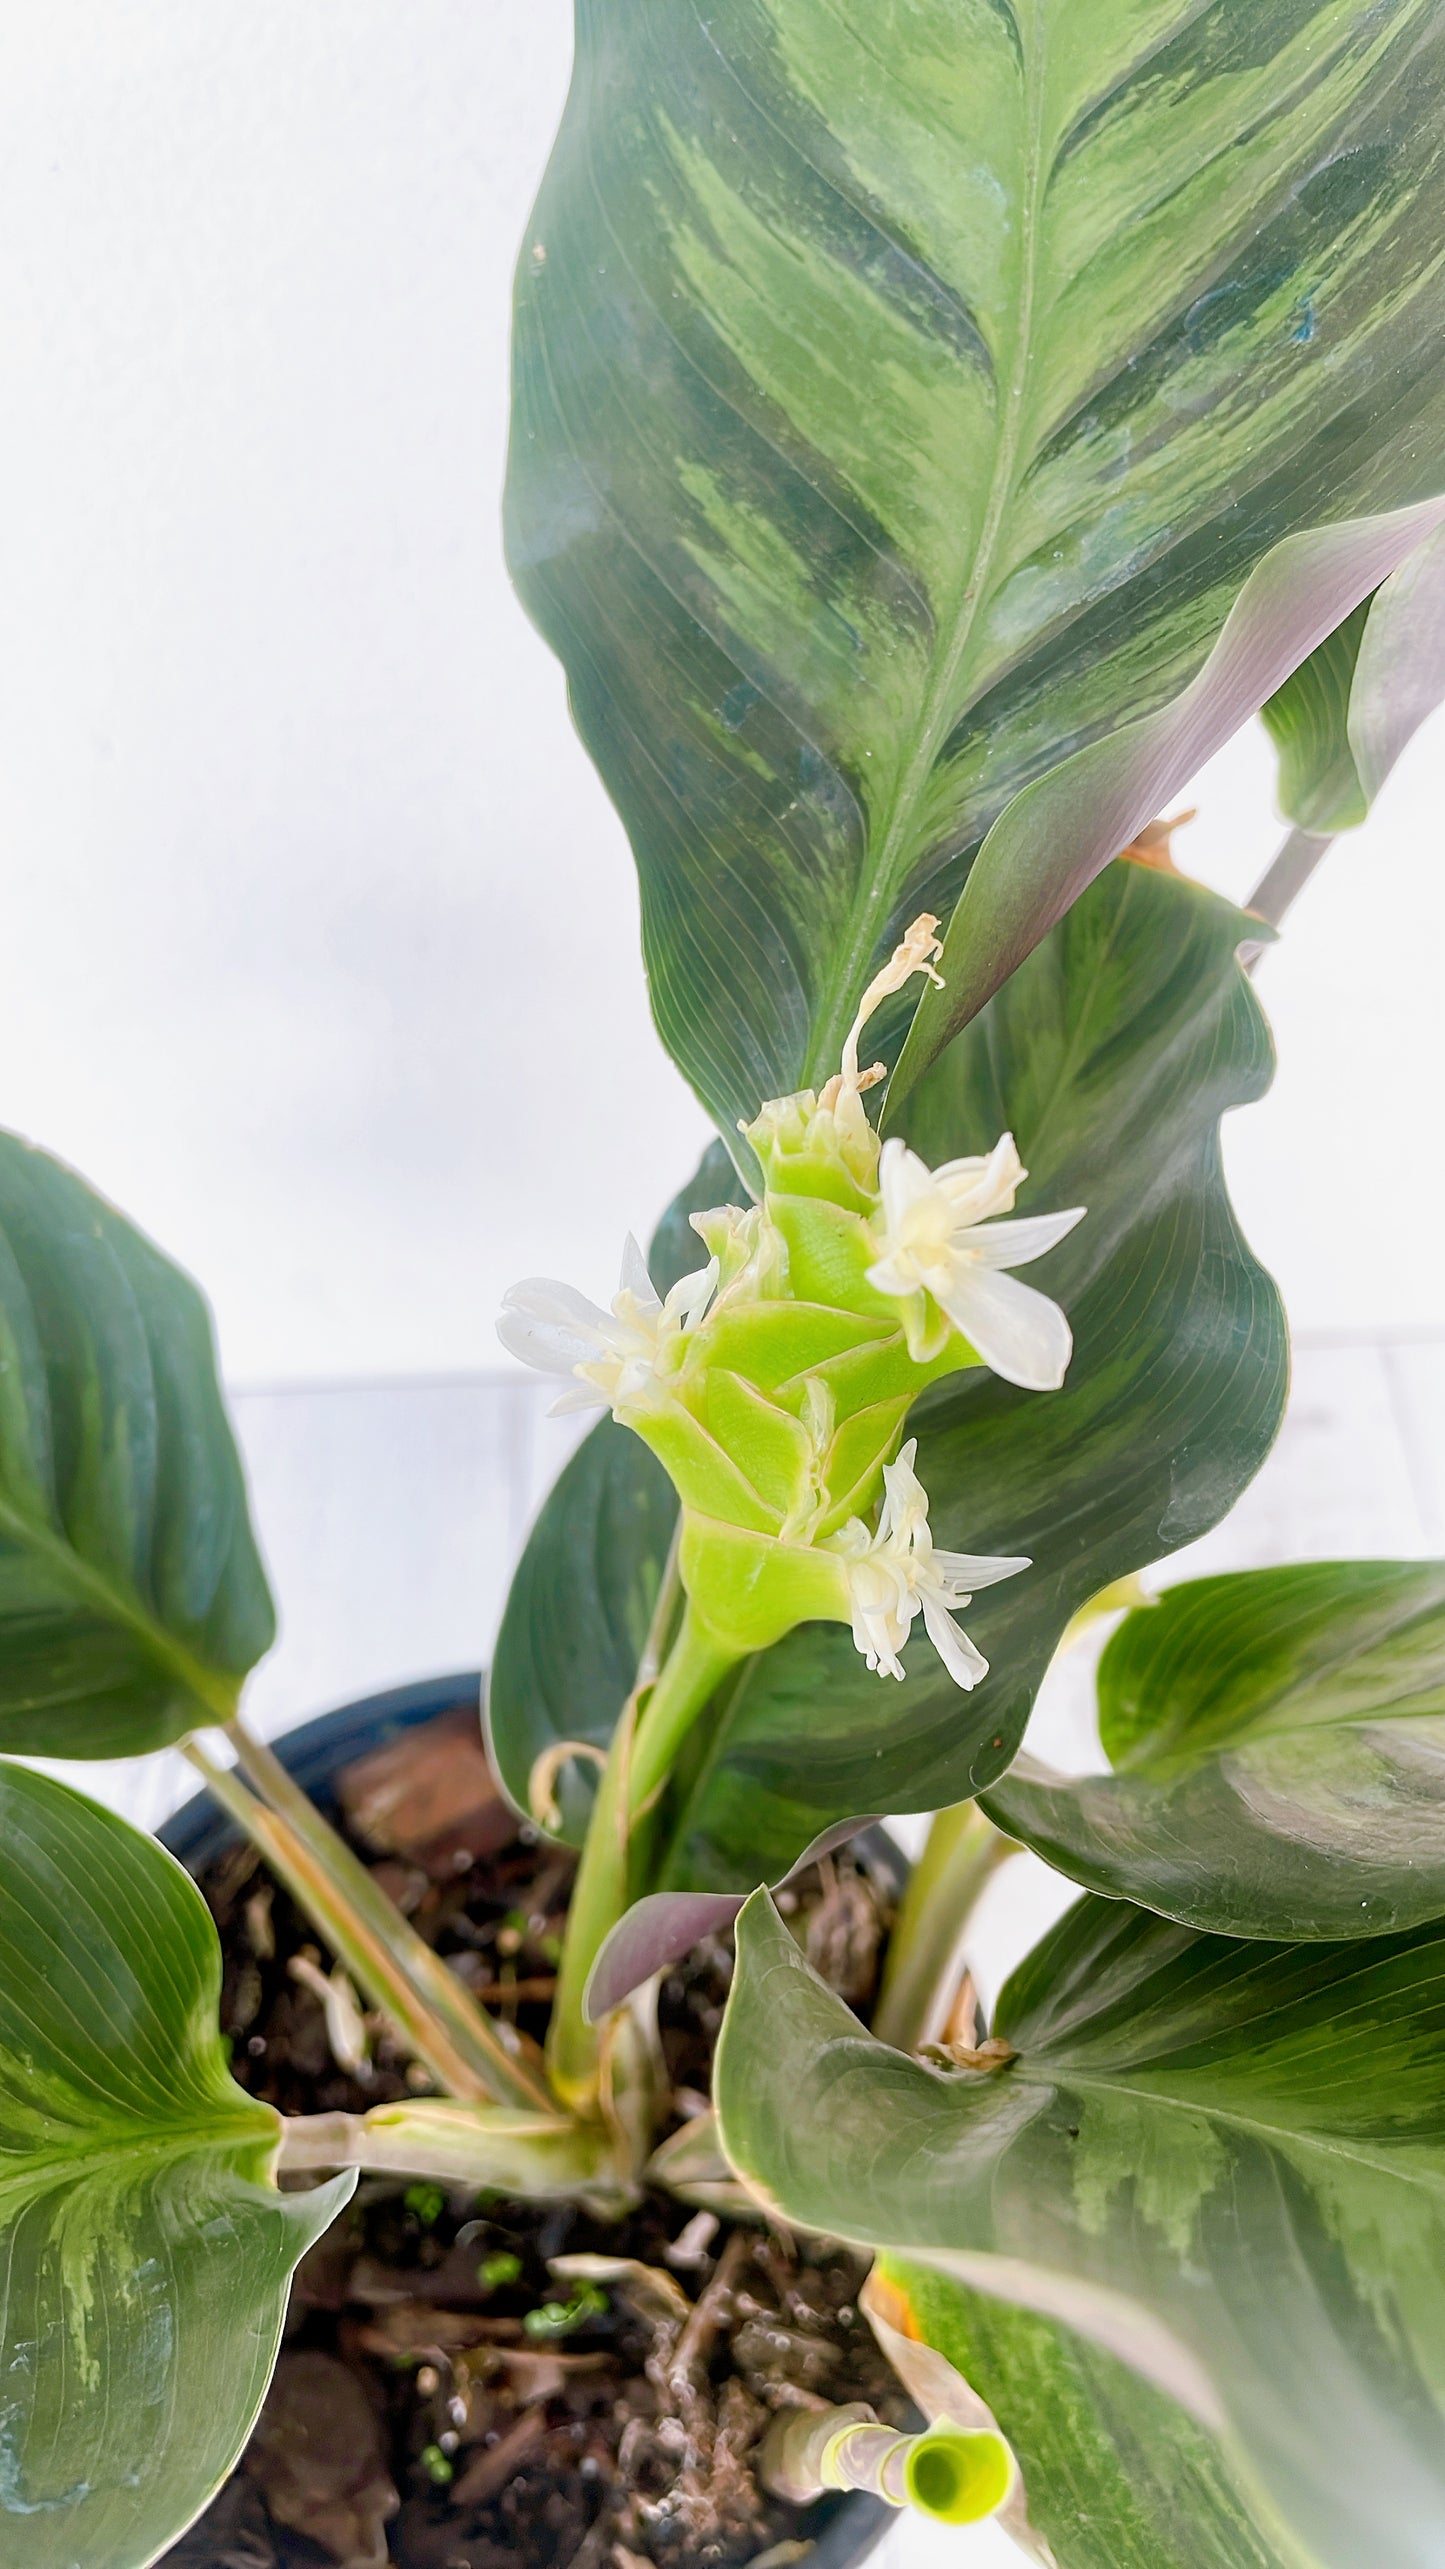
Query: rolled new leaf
<point x="146" y="2250"/>
<point x="951" y="2474"/>
<point x="983" y="354"/>
<point x="1117" y="2475"/>
<point x="1060" y="832"/>
<point x="1278" y="1745"/>
<point x="1222" y="2161"/>
<point x="132" y="1597"/>
<point x="1343" y="718"/>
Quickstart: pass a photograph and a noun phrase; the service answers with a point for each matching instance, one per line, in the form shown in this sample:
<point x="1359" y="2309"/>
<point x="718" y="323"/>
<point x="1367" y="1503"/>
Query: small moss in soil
<point x="443" y="2401"/>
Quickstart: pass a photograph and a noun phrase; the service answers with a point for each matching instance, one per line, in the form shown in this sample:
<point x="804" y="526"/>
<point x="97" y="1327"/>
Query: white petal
<point x="561" y="1306"/>
<point x="584" y="1396"/>
<point x="975" y="1570"/>
<point x="902" y="1179"/>
<point x="896" y="1274"/>
<point x="1017" y="1331"/>
<point x="688" y="1299"/>
<point x="635" y="1278"/>
<point x="964" y="1663"/>
<point x="1015" y="1244"/>
<point x="979" y="1188"/>
<point x="541" y="1343"/>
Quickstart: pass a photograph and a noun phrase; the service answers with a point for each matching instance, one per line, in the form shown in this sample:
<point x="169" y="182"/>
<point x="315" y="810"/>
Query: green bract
<point x="788" y="1399"/>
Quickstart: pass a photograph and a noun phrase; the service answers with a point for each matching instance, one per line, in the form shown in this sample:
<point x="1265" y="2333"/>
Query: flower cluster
<point x="775" y="1382"/>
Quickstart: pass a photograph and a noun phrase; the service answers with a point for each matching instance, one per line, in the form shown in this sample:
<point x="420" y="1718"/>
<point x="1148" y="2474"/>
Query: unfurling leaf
<point x="1114" y="2475"/>
<point x="1341" y="721"/>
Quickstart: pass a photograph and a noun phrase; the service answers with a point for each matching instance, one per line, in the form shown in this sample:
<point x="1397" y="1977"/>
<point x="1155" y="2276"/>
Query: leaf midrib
<point x="874" y="897"/>
<point x="219" y="1694"/>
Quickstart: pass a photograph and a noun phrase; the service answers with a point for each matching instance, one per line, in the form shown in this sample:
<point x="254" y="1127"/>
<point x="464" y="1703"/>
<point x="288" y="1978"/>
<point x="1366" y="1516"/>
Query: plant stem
<point x="654" y="1723"/>
<point x="925" y="1951"/>
<point x="540" y="2156"/>
<point x="1284" y="878"/>
<point x="469" y="2055"/>
<point x="694" y="1669"/>
<point x="599" y="1896"/>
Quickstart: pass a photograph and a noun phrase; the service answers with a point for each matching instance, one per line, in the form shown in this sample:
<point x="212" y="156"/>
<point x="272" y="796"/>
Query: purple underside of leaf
<point x="1400" y="674"/>
<point x="666" y="1925"/>
<point x="1060" y="832"/>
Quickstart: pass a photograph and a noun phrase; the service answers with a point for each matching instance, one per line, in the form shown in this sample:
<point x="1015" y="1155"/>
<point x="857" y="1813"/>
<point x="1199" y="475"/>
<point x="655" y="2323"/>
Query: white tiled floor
<point x="391" y="1515"/>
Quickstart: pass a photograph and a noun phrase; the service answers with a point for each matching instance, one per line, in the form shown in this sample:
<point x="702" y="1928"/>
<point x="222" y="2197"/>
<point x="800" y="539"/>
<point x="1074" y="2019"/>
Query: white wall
<point x="320" y="946"/>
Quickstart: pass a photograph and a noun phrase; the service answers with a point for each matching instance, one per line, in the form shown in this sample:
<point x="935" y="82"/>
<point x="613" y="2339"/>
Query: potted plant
<point x="937" y="430"/>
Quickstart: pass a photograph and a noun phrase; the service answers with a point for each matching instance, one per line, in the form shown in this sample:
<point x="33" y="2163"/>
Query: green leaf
<point x="1308" y="721"/>
<point x="1341" y="721"/>
<point x="132" y="1598"/>
<point x="1224" y="2162"/>
<point x="1279" y="1741"/>
<point x="146" y="2251"/>
<point x="1111" y="1055"/>
<point x="904" y="396"/>
<point x="1116" y="2475"/>
<point x="577" y="1616"/>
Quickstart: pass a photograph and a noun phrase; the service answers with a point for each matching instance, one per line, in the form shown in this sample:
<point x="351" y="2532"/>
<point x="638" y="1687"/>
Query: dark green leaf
<point x="1224" y="2162"/>
<point x="132" y="1598"/>
<point x="1116" y="2475"/>
<point x="577" y="1616"/>
<point x="904" y="396"/>
<point x="1111" y="1055"/>
<point x="147" y="2254"/>
<point x="1279" y="1741"/>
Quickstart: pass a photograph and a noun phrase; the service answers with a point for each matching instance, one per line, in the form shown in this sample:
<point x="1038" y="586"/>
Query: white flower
<point x="932" y="1246"/>
<point x="617" y="1355"/>
<point x="896" y="1574"/>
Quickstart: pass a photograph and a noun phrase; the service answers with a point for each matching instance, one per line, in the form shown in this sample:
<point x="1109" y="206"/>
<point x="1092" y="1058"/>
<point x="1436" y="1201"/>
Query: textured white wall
<point x="320" y="945"/>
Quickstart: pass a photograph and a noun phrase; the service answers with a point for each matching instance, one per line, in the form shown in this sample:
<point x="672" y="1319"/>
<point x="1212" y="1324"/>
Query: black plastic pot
<point x="844" y="2530"/>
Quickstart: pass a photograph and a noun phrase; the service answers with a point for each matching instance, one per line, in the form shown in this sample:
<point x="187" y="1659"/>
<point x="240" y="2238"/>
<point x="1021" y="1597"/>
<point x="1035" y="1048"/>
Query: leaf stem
<point x="925" y="1950"/>
<point x="655" y="1721"/>
<point x="1284" y="878"/>
<point x="472" y="2057"/>
<point x="599" y="1897"/>
<point x="694" y="1669"/>
<point x="534" y="2155"/>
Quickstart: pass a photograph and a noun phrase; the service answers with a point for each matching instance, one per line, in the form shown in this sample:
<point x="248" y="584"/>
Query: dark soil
<point x="443" y="2400"/>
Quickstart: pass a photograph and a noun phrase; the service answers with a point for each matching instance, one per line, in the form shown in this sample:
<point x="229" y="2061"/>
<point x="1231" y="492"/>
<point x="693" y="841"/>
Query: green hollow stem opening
<point x="957" y="2478"/>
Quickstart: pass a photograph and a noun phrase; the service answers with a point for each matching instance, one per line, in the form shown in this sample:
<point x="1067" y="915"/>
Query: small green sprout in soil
<point x="559" y="2318"/>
